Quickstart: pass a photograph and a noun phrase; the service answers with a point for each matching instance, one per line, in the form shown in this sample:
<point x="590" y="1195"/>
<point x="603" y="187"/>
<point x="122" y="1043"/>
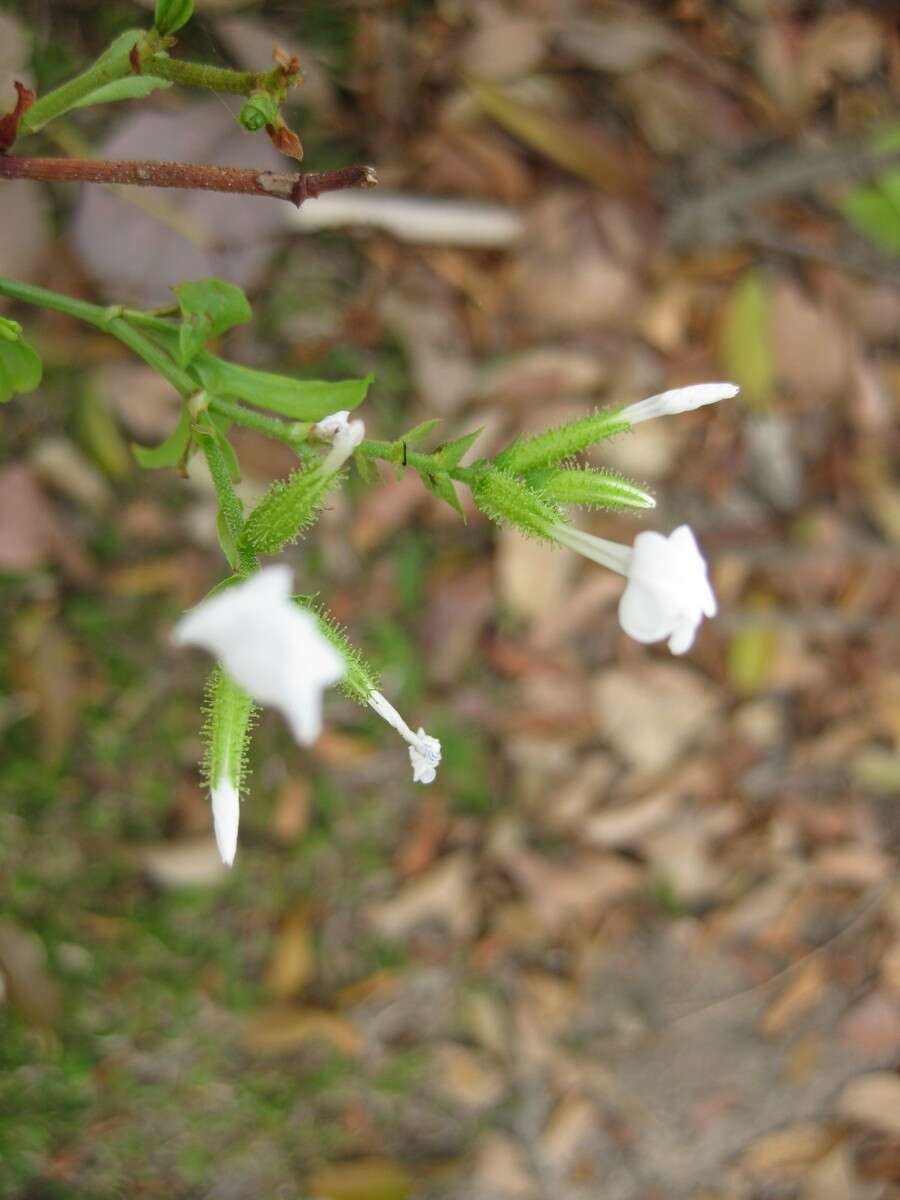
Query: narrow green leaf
<point x="420" y="432"/>
<point x="170" y="452"/>
<point x="449" y="454"/>
<point x="132" y="87"/>
<point x="170" y="15"/>
<point x="745" y="346"/>
<point x="301" y="399"/>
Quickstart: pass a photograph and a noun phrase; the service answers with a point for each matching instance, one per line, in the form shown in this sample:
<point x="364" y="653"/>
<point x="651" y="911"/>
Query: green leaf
<point x="745" y="344"/>
<point x="420" y="432"/>
<point x="170" y="452"/>
<point x="875" y="211"/>
<point x="21" y="369"/>
<point x="209" y="307"/>
<point x="170" y="15"/>
<point x="301" y="399"/>
<point x="441" y="485"/>
<point x="555" y="445"/>
<point x="132" y="87"/>
<point x="449" y="454"/>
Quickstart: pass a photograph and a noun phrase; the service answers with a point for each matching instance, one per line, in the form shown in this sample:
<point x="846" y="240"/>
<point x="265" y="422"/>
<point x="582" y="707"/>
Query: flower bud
<point x="260" y="110"/>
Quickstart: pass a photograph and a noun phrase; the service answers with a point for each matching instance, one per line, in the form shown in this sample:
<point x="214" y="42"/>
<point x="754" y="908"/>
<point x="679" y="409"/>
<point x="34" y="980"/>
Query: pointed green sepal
<point x="360" y="680"/>
<point x="287" y="509"/>
<point x="507" y="499"/>
<point x="555" y="445"/>
<point x="229" y="715"/>
<point x="592" y="488"/>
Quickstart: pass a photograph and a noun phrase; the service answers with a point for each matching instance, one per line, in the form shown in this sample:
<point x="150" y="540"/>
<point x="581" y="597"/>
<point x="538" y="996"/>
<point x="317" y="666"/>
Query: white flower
<point x="424" y="750"/>
<point x="678" y="400"/>
<point x="344" y="436"/>
<point x="668" y="592"/>
<point x="226" y="810"/>
<point x="272" y="648"/>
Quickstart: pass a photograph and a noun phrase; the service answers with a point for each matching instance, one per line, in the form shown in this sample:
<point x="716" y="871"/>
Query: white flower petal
<point x="272" y="648"/>
<point x="678" y="400"/>
<point x="425" y="756"/>
<point x="226" y="810"/>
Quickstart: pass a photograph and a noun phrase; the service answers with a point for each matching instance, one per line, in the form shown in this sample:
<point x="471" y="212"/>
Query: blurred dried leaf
<point x="23" y="962"/>
<point x="787" y="1153"/>
<point x="443" y="895"/>
<point x="292" y="961"/>
<point x="746" y="339"/>
<point x="193" y="862"/>
<point x="873" y="1100"/>
<point x="468" y="1079"/>
<point x="577" y="149"/>
<point x="367" y="1179"/>
<point x="616" y="43"/>
<point x="651" y="714"/>
<point x="282" y="1028"/>
<point x="32" y="533"/>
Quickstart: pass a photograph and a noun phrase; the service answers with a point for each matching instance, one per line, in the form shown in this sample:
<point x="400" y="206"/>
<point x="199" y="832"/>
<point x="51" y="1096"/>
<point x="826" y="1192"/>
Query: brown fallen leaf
<point x="443" y="895"/>
<point x="292" y="961"/>
<point x="872" y="1027"/>
<point x="787" y="1153"/>
<point x="805" y="989"/>
<point x="44" y="667"/>
<point x="281" y="1028"/>
<point x="467" y="1078"/>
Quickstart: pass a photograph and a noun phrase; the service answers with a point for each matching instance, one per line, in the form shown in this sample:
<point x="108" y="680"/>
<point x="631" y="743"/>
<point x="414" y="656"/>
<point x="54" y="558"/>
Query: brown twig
<point x="193" y="176"/>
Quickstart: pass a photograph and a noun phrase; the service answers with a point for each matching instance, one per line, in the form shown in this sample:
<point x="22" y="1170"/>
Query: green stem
<point x="292" y="433"/>
<point x="229" y="505"/>
<point x="109" y="320"/>
<point x="114" y="63"/>
<point x="414" y="459"/>
<point x="200" y="75"/>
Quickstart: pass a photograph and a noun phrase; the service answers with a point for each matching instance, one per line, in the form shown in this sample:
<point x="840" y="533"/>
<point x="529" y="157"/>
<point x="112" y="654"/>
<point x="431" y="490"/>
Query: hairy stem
<point x="193" y="176"/>
<point x="200" y="75"/>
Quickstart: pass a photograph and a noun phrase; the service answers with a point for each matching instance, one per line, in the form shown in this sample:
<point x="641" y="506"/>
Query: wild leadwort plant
<point x="273" y="647"/>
